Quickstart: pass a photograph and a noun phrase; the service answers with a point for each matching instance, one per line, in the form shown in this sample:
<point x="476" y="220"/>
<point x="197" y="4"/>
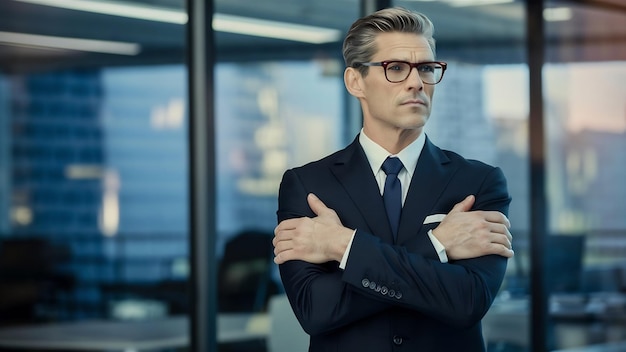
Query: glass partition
<point x="280" y="103"/>
<point x="93" y="172"/>
<point x="585" y="124"/>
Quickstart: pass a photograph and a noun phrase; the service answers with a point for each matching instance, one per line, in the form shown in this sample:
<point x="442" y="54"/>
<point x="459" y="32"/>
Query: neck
<point x="393" y="141"/>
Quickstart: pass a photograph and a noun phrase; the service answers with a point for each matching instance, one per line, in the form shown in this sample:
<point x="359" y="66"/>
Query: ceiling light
<point x="274" y="29"/>
<point x="464" y="3"/>
<point x="91" y="45"/>
<point x="141" y="12"/>
<point x="221" y="22"/>
<point x="556" y="14"/>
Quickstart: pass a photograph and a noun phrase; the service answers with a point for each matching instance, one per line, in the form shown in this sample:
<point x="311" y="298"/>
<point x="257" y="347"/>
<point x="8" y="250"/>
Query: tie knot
<point x="392" y="166"/>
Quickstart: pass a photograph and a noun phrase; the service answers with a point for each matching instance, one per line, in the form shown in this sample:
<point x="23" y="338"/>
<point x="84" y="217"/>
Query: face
<point x="392" y="110"/>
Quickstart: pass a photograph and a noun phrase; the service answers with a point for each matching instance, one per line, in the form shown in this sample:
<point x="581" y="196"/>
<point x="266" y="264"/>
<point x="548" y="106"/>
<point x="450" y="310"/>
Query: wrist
<point x="340" y="243"/>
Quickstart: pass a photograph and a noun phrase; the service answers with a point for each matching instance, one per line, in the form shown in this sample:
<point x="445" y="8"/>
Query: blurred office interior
<point x="142" y="143"/>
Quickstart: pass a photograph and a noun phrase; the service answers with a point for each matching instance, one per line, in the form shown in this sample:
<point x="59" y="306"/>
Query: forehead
<point x="402" y="46"/>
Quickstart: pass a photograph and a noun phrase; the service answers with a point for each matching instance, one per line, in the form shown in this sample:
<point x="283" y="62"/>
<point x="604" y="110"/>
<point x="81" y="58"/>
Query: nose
<point x="414" y="79"/>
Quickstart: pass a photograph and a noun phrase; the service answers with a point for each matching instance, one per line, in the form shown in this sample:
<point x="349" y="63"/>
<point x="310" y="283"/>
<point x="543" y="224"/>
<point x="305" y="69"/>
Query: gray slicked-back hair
<point x="359" y="44"/>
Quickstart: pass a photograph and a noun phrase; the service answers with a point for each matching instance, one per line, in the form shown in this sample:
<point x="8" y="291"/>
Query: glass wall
<point x="93" y="166"/>
<point x="585" y="119"/>
<point x="280" y="103"/>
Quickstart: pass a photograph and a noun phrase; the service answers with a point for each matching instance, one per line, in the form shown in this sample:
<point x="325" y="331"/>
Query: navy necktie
<point x="392" y="194"/>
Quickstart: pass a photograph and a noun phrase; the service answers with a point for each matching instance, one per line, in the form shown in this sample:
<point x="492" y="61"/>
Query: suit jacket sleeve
<point x="321" y="300"/>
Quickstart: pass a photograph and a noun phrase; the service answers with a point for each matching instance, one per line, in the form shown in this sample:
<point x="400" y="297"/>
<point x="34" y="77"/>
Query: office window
<point x="93" y="164"/>
<point x="280" y="103"/>
<point x="585" y="123"/>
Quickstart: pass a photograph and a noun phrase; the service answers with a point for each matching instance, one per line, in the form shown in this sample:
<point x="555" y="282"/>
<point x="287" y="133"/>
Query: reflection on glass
<point x="96" y="184"/>
<point x="276" y="115"/>
<point x="93" y="179"/>
<point x="269" y="116"/>
<point x="586" y="135"/>
<point x="481" y="111"/>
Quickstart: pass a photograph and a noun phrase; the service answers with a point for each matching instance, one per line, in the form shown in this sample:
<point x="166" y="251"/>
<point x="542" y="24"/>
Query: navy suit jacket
<point x="394" y="295"/>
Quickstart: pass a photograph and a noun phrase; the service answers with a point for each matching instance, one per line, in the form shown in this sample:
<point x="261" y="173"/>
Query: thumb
<point x="464" y="205"/>
<point x="316" y="204"/>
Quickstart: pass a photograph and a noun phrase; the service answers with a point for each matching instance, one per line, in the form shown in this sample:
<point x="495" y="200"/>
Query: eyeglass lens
<point x="397" y="71"/>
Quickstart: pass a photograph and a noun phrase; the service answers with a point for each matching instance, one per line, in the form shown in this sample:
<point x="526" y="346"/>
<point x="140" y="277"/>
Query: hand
<point x="469" y="234"/>
<point x="314" y="240"/>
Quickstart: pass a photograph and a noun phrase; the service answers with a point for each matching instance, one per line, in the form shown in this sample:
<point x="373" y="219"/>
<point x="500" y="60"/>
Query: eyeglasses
<point x="430" y="72"/>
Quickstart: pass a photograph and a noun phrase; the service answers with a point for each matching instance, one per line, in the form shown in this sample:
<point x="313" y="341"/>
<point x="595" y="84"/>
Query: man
<point x="357" y="277"/>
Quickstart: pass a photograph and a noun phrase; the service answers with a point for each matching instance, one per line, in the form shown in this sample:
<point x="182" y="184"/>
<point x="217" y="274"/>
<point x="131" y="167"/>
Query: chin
<point x="413" y="122"/>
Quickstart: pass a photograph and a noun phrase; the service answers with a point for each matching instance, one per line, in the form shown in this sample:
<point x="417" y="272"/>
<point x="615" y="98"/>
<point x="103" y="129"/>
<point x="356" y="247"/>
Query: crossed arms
<point x="465" y="234"/>
<point x="309" y="247"/>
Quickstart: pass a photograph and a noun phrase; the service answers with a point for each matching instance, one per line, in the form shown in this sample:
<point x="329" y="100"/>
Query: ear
<point x="354" y="81"/>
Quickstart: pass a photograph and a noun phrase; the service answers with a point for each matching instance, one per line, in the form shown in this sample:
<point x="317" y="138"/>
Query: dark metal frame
<point x="201" y="61"/>
<point x="535" y="44"/>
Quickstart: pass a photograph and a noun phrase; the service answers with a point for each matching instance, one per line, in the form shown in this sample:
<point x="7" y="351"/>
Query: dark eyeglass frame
<point x="412" y="65"/>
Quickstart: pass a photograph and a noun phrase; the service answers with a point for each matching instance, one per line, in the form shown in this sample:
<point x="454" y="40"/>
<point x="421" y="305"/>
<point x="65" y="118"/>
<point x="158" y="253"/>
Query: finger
<point x="505" y="252"/>
<point x="498" y="217"/>
<point x="502" y="240"/>
<point x="509" y="236"/>
<point x="501" y="250"/>
<point x="276" y="240"/>
<point x="464" y="205"/>
<point x="279" y="253"/>
<point x="285" y="256"/>
<point x="282" y="235"/>
<point x="280" y="258"/>
<point x="288" y="224"/>
<point x="316" y="204"/>
<point x="282" y="246"/>
<point x="501" y="229"/>
<point x="508" y="252"/>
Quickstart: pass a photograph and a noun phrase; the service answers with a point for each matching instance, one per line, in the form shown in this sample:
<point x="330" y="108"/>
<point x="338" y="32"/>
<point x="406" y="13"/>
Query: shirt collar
<point x="376" y="154"/>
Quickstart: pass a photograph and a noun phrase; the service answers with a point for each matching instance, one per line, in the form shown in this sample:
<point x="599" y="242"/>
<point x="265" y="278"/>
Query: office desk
<point x="606" y="347"/>
<point x="576" y="321"/>
<point x="110" y="335"/>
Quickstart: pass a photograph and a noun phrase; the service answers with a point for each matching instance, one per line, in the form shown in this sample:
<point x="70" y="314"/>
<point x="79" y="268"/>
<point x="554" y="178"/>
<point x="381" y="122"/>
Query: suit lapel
<point x="428" y="184"/>
<point x="355" y="175"/>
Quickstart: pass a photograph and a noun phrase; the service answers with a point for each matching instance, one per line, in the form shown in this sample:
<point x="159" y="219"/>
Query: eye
<point x="427" y="68"/>
<point x="396" y="66"/>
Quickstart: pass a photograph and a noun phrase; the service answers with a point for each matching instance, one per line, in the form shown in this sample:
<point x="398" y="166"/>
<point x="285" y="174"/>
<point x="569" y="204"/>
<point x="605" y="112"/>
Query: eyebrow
<point x="405" y="60"/>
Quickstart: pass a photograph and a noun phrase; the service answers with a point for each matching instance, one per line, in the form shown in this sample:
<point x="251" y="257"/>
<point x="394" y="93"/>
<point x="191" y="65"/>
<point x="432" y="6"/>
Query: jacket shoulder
<point x="461" y="161"/>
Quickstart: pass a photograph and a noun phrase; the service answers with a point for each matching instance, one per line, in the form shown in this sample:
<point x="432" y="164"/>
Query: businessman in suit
<point x="392" y="244"/>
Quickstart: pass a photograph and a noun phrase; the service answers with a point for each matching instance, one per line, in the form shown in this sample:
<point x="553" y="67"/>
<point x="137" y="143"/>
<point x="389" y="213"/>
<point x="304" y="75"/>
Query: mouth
<point x="414" y="102"/>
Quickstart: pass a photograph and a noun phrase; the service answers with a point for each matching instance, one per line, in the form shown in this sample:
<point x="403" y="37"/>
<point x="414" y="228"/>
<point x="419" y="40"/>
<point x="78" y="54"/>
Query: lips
<point x="414" y="102"/>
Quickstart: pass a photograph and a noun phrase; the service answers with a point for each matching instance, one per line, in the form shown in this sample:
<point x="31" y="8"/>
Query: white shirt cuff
<point x="441" y="250"/>
<point x="344" y="259"/>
